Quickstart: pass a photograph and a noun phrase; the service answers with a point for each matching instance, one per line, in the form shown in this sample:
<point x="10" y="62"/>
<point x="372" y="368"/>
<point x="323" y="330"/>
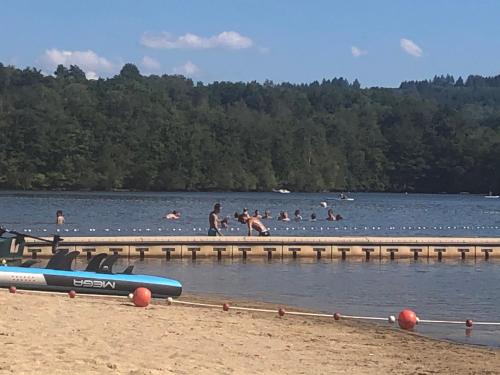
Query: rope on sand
<point x="407" y="319"/>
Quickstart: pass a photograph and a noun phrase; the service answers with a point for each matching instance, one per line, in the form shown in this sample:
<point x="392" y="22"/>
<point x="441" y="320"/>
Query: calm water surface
<point x="452" y="290"/>
<point x="368" y="214"/>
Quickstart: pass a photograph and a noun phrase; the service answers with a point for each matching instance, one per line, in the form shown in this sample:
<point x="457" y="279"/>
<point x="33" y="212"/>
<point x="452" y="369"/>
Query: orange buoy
<point x="12" y="289"/>
<point x="336" y="316"/>
<point x="72" y="294"/>
<point x="225" y="307"/>
<point x="281" y="311"/>
<point x="407" y="319"/>
<point x="468" y="323"/>
<point x="142" y="297"/>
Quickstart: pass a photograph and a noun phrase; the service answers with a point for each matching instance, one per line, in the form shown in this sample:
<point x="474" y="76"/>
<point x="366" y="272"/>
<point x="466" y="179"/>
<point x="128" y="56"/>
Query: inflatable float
<point x="97" y="278"/>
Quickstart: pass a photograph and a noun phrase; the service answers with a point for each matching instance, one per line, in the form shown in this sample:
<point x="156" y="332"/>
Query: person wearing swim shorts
<point x="214" y="221"/>
<point x="255" y="224"/>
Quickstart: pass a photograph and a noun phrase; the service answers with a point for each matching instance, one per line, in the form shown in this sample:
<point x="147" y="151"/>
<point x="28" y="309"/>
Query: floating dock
<point x="189" y="247"/>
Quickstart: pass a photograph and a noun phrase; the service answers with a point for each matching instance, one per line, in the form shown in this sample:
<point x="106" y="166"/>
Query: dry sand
<point x="52" y="334"/>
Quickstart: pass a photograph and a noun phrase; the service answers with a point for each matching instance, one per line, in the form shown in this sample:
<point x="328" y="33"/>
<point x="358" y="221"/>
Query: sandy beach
<point x="53" y="334"/>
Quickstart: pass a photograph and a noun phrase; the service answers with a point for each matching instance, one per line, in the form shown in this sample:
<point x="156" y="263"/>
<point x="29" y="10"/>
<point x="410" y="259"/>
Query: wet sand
<point x="52" y="334"/>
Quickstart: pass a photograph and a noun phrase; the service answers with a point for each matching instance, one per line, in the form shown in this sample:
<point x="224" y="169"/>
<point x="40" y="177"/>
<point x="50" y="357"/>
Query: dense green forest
<point x="169" y="133"/>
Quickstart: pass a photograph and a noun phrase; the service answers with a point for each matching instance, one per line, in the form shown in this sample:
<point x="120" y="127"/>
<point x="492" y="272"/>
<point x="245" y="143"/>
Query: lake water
<point x="142" y="213"/>
<point x="450" y="290"/>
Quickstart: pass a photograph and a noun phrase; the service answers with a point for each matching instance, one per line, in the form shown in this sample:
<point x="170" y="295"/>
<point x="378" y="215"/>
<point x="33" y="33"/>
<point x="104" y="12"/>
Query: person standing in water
<point x="214" y="221"/>
<point x="59" y="217"/>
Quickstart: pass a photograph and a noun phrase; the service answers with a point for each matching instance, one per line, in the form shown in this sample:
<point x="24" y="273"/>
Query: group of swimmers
<point x="254" y="222"/>
<point x="283" y="216"/>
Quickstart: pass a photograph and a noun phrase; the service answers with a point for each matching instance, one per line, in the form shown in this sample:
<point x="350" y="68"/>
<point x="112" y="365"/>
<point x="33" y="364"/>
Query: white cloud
<point x="357" y="52"/>
<point x="226" y="39"/>
<point x="410" y="47"/>
<point x="91" y="75"/>
<point x="89" y="61"/>
<point x="150" y="64"/>
<point x="188" y="69"/>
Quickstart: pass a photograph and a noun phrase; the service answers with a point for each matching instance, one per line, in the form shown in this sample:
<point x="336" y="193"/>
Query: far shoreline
<point x="57" y="190"/>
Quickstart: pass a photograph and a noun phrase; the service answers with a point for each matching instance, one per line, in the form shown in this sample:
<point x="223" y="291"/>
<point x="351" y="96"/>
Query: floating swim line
<point x="418" y="228"/>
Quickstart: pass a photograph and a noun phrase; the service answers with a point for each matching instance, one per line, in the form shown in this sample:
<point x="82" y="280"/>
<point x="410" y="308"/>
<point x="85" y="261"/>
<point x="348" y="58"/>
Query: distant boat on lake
<point x="281" y="191"/>
<point x="491" y="196"/>
<point x="342" y="197"/>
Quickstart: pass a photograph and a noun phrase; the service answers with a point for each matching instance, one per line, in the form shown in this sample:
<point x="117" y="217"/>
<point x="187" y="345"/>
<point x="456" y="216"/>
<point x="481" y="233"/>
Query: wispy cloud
<point x="357" y="52"/>
<point x="226" y="39"/>
<point x="89" y="61"/>
<point x="410" y="47"/>
<point x="188" y="69"/>
<point x="150" y="64"/>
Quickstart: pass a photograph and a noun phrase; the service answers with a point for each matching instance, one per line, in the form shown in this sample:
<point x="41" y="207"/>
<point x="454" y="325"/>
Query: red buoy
<point x="468" y="323"/>
<point x="281" y="311"/>
<point x="72" y="294"/>
<point x="142" y="297"/>
<point x="225" y="307"/>
<point x="336" y="316"/>
<point x="12" y="289"/>
<point x="407" y="319"/>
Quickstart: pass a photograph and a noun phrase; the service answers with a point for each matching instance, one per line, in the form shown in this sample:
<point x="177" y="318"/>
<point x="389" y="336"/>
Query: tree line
<point x="168" y="133"/>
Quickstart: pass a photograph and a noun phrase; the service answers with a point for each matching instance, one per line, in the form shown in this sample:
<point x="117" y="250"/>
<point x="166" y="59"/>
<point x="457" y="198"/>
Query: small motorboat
<point x="281" y="191"/>
<point x="491" y="196"/>
<point x="342" y="197"/>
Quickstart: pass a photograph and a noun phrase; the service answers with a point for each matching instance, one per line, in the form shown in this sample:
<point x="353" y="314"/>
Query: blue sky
<point x="379" y="42"/>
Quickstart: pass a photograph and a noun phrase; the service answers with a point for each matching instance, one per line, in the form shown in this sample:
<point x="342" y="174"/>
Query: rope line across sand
<point x="280" y="311"/>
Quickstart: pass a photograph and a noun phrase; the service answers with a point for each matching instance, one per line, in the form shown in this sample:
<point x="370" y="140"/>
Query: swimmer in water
<point x="59" y="217"/>
<point x="174" y="215"/>
<point x="298" y="216"/>
<point x="255" y="224"/>
<point x="331" y="215"/>
<point x="257" y="214"/>
<point x="267" y="214"/>
<point x="284" y="216"/>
